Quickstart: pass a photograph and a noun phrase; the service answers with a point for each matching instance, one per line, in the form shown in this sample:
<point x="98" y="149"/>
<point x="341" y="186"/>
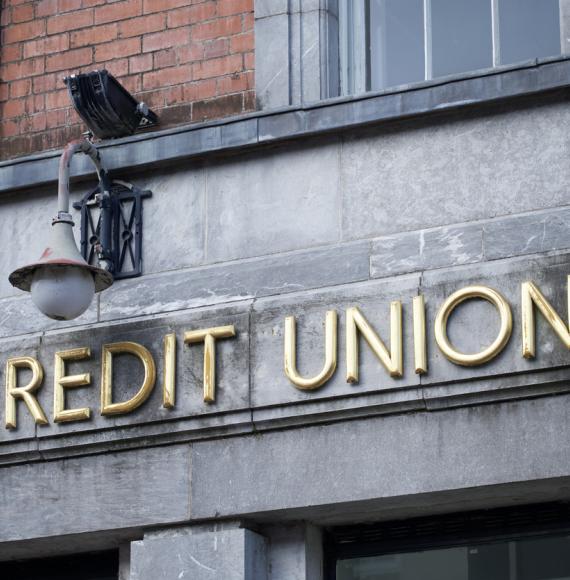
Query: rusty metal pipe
<point x="73" y="147"/>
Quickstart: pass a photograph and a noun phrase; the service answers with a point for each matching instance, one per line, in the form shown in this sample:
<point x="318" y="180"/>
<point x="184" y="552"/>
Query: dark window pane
<point x="396" y="42"/>
<point x="528" y="29"/>
<point x="544" y="559"/>
<point x="461" y="36"/>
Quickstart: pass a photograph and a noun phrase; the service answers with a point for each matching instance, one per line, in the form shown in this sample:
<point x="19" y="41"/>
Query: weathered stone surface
<point x="26" y="427"/>
<point x="275" y="202"/>
<point x="435" y="173"/>
<point x="475" y="324"/>
<point x="102" y="492"/>
<point x="426" y="249"/>
<point x="384" y="459"/>
<point x="272" y="72"/>
<point x="222" y="554"/>
<point x="270" y="386"/>
<point x="173" y="219"/>
<point x="527" y="234"/>
<point x="237" y="281"/>
<point x="232" y="372"/>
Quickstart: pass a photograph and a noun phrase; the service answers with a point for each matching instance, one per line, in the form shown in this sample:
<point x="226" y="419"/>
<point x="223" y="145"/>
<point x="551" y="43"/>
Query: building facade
<point x="351" y="329"/>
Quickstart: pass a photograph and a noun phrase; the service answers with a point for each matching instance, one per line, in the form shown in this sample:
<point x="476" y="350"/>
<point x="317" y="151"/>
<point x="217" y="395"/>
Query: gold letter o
<point x="492" y="296"/>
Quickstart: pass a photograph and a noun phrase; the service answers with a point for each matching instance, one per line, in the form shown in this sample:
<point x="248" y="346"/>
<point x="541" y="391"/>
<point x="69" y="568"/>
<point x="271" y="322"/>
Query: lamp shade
<point x="62" y="283"/>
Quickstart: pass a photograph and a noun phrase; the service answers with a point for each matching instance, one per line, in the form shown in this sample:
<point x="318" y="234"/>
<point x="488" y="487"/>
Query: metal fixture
<point x="62" y="282"/>
<point x="108" y="109"/>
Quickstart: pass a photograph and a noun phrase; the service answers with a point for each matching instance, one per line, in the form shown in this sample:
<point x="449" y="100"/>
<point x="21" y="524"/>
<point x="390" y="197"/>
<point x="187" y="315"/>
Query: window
<point x="386" y="43"/>
<point x="529" y="543"/>
<point x="96" y="566"/>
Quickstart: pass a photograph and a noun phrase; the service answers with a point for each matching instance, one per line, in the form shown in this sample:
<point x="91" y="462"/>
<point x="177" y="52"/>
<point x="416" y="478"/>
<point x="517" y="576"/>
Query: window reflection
<point x="526" y="559"/>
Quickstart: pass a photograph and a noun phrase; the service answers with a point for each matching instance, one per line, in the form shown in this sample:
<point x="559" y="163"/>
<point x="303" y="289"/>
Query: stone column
<point x="297" y="46"/>
<point x="565" y="26"/>
<point x="219" y="552"/>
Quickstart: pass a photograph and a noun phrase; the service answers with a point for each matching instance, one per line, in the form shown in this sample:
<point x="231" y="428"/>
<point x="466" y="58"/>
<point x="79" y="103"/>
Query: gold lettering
<point x="355" y="322"/>
<point x="169" y="372"/>
<point x="290" y="360"/>
<point x="107" y="405"/>
<point x="208" y="336"/>
<point x="531" y="295"/>
<point x="14" y="392"/>
<point x="61" y="382"/>
<point x="449" y="306"/>
<point x="420" y="346"/>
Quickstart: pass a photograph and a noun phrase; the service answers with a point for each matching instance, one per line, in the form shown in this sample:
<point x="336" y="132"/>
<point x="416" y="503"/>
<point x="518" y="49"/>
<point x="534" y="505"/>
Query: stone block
<point x="232" y="372"/>
<point x="222" y="554"/>
<point x="237" y="281"/>
<point x="272" y="73"/>
<point x="435" y="172"/>
<point x="270" y="386"/>
<point x="173" y="219"/>
<point x="381" y="461"/>
<point x="275" y="202"/>
<point x="426" y="250"/>
<point x="533" y="233"/>
<point x="265" y="8"/>
<point x="95" y="493"/>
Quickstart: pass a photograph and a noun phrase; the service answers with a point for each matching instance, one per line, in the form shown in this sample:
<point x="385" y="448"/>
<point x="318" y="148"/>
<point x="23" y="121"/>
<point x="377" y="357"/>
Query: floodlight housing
<point x="108" y="109"/>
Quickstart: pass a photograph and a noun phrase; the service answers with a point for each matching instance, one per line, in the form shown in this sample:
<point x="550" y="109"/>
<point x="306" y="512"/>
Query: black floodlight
<point x="107" y="108"/>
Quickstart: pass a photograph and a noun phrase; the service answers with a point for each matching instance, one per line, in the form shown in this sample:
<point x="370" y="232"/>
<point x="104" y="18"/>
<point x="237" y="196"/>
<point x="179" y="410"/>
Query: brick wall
<point x="189" y="60"/>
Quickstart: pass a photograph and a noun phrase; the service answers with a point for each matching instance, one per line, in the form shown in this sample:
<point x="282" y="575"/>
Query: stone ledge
<point x="259" y="129"/>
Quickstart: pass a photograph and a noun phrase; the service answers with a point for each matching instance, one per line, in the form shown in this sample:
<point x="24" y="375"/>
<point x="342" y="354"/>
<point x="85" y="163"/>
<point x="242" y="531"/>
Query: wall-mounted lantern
<point x="63" y="281"/>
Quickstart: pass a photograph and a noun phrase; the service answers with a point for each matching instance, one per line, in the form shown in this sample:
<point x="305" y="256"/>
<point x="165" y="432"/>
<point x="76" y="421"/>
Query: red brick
<point x="191" y="53"/>
<point x="166" y="39"/>
<point x="39" y="122"/>
<point x="20" y="88"/>
<point x="132" y="83"/>
<point x="8" y="128"/>
<point x="216" y="108"/>
<point x="173" y="95"/>
<point x="191" y="14"/>
<point x="5" y="17"/>
<point x="24" y="31"/>
<point x="13" y="108"/>
<point x="216" y="48"/>
<point x="140" y="63"/>
<point x="49" y="45"/>
<point x="46" y="8"/>
<point x="56" y="118"/>
<point x="45" y="83"/>
<point x="229" y="7"/>
<point x="94" y="35"/>
<point x="235" y="83"/>
<point x="117" y="11"/>
<point x="23" y="13"/>
<point x="163" y="5"/>
<point x="216" y="28"/>
<point x="11" y="52"/>
<point x="4" y="91"/>
<point x="154" y="99"/>
<point x="69" y="60"/>
<point x="249" y="102"/>
<point x="119" y="67"/>
<point x="68" y="5"/>
<point x="57" y="100"/>
<point x="164" y="58"/>
<point x="167" y="77"/>
<point x="200" y="90"/>
<point x="117" y="49"/>
<point x="70" y="21"/>
<point x="90" y="3"/>
<point x="177" y="115"/>
<point x="247" y="22"/>
<point x="218" y="66"/>
<point x="142" y="25"/>
<point x="249" y="61"/>
<point x="22" y="69"/>
<point x="242" y="42"/>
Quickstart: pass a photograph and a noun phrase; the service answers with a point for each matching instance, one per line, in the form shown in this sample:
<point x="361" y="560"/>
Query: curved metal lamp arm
<point x="73" y="147"/>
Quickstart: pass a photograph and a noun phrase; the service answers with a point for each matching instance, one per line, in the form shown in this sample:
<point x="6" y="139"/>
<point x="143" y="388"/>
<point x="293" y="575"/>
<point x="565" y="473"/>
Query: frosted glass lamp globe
<point x="64" y="292"/>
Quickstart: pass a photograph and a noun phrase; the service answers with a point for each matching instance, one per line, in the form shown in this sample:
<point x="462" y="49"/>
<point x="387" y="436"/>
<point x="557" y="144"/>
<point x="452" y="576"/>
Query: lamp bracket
<point x="111" y="227"/>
